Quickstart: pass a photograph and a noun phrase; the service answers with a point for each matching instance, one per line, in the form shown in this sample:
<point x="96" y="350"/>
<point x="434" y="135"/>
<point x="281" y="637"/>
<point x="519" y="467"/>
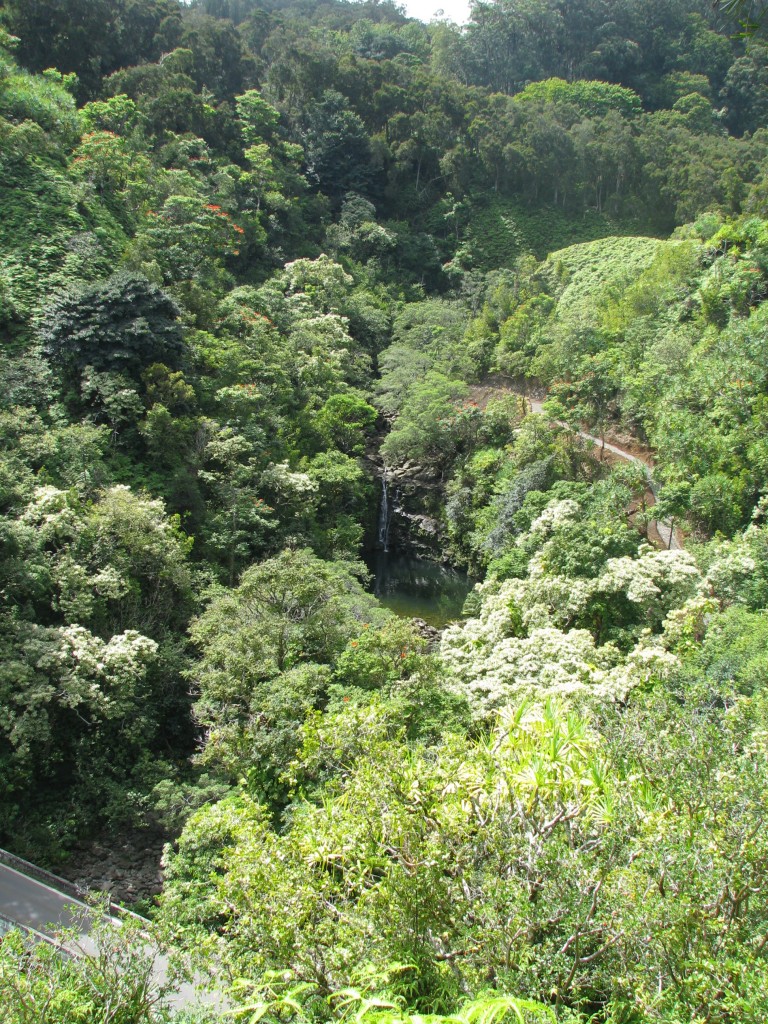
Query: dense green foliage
<point x="118" y="984"/>
<point x="250" y="253"/>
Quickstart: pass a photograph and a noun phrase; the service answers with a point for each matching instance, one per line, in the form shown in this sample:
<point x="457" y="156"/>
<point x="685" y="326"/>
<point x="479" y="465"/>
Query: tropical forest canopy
<point x="253" y="251"/>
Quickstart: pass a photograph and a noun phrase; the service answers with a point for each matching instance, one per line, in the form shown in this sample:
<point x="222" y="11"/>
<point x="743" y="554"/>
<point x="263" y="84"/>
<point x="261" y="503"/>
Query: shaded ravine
<point x="410" y="584"/>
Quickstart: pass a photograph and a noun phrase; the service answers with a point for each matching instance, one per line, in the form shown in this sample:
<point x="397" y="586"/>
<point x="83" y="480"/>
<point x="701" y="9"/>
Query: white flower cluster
<point x="103" y="675"/>
<point x="520" y="644"/>
<point x="666" y="577"/>
<point x="50" y="513"/>
<point x="79" y="588"/>
<point x="550" y="662"/>
<point x="321" y="276"/>
<point x="729" y="570"/>
<point x="56" y="512"/>
<point x="285" y="481"/>
<point x="657" y="580"/>
<point x="545" y="600"/>
<point x="554" y="516"/>
<point x="684" y="627"/>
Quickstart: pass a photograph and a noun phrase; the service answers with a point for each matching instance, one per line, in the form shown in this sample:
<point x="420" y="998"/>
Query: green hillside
<point x="280" y="285"/>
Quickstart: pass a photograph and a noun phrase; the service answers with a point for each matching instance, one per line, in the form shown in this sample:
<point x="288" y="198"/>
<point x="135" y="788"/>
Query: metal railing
<point x="7" y="924"/>
<point x="76" y="949"/>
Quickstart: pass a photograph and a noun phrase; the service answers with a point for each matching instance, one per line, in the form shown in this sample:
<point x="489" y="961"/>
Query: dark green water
<point x="417" y="588"/>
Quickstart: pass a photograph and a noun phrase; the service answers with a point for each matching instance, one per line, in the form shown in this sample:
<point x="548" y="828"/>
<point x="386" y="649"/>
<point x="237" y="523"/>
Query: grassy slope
<point x="501" y="230"/>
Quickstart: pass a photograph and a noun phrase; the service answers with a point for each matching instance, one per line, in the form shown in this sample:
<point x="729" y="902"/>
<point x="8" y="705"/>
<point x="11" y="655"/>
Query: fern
<point x="279" y="999"/>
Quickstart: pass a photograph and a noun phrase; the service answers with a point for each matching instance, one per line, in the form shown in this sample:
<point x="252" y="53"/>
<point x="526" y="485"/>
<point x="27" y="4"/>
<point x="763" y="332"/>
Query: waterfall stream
<point x="408" y="585"/>
<point x="384" y="516"/>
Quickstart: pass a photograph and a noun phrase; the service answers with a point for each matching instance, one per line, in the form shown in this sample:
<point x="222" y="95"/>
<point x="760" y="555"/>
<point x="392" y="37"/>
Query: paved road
<point x="43" y="909"/>
<point x="667" y="534"/>
<point x="38" y="906"/>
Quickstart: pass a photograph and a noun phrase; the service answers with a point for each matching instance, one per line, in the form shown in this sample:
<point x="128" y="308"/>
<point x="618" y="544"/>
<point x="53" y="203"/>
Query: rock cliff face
<point x="413" y="503"/>
<point x="127" y="866"/>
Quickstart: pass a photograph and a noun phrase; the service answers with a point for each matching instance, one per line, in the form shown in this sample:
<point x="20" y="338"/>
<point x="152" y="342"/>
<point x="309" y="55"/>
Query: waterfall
<point x="384" y="515"/>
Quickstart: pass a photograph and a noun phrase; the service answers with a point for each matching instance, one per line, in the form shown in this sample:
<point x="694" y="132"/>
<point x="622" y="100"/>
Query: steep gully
<point x="34" y="903"/>
<point x="410" y="574"/>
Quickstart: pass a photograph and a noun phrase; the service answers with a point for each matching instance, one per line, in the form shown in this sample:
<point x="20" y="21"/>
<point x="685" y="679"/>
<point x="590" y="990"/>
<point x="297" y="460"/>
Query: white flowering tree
<point x="572" y="636"/>
<point x="71" y="702"/>
<point x="90" y="672"/>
